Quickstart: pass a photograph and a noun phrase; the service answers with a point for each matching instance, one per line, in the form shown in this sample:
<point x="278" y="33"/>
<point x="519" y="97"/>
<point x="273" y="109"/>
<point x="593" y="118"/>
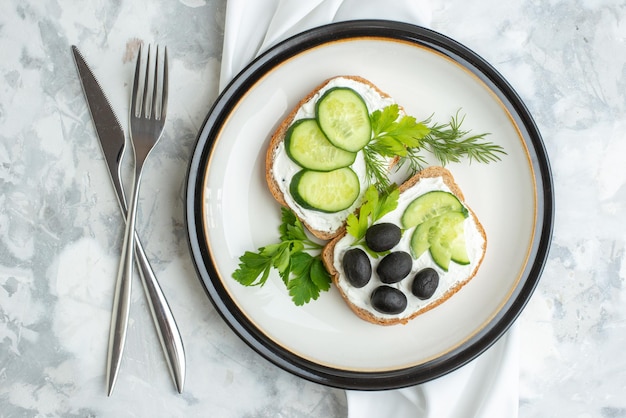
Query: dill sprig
<point x="406" y="139"/>
<point x="376" y="167"/>
<point x="449" y="143"/>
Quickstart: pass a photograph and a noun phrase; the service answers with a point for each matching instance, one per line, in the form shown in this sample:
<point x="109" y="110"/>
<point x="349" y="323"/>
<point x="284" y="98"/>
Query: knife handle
<point x="164" y="321"/>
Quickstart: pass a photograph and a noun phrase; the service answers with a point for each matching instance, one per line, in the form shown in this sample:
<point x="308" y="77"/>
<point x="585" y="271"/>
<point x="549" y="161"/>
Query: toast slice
<point x="279" y="169"/>
<point x="450" y="282"/>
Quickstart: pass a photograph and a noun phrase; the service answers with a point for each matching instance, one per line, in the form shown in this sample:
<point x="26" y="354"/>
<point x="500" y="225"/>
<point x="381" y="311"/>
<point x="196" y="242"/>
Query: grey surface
<point x="60" y="228"/>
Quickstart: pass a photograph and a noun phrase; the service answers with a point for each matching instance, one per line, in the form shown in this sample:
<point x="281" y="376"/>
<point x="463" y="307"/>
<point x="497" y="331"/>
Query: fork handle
<point x="121" y="297"/>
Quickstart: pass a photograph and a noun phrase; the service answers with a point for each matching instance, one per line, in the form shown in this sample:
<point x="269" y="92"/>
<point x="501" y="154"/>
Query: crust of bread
<point x="279" y="136"/>
<point x="328" y="253"/>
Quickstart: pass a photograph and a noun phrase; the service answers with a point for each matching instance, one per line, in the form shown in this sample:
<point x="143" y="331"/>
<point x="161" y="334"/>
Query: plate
<point x="230" y="211"/>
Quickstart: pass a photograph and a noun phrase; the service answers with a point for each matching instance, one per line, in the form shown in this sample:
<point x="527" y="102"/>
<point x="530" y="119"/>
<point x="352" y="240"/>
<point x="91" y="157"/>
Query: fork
<point x="147" y="119"/>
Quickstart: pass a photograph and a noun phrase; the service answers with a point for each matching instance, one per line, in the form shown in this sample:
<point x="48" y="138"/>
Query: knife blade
<point x="112" y="142"/>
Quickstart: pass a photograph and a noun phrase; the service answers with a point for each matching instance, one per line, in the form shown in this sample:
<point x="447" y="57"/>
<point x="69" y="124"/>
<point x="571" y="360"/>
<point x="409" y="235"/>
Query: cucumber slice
<point x="307" y="145"/>
<point x="430" y="205"/>
<point x="441" y="255"/>
<point x="448" y="230"/>
<point x="420" y="240"/>
<point x="444" y="236"/>
<point x="325" y="191"/>
<point x="343" y="117"/>
<point x="459" y="250"/>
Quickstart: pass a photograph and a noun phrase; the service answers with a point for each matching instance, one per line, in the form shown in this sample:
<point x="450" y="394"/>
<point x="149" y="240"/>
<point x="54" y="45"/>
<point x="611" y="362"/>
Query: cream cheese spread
<point x="284" y="168"/>
<point x="360" y="297"/>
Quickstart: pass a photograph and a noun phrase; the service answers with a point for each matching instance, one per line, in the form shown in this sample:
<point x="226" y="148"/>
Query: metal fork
<point x="147" y="118"/>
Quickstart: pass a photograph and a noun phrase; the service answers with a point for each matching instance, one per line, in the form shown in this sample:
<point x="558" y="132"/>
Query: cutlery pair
<point x="147" y="118"/>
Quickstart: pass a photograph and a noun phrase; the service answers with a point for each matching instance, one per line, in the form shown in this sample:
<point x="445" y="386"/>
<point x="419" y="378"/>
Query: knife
<point x="112" y="143"/>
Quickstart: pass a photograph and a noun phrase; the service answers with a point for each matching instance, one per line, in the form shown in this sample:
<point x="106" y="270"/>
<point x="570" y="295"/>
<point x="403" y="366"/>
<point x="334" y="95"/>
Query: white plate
<point x="230" y="210"/>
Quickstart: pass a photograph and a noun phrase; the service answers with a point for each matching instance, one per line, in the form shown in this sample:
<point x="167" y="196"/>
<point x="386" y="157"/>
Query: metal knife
<point x="112" y="142"/>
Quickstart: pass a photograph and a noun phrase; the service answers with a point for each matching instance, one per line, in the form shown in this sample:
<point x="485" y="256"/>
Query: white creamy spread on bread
<point x="456" y="274"/>
<point x="284" y="168"/>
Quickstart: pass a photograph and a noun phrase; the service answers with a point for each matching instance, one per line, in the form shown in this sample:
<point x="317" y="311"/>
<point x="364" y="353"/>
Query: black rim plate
<point x="216" y="282"/>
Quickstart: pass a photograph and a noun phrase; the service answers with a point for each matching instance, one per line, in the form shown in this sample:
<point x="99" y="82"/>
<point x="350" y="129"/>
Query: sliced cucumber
<point x="420" y="240"/>
<point x="459" y="250"/>
<point x="430" y="205"/>
<point x="448" y="230"/>
<point x="325" y="191"/>
<point x="343" y="117"/>
<point x="441" y="255"/>
<point x="444" y="236"/>
<point x="307" y="145"/>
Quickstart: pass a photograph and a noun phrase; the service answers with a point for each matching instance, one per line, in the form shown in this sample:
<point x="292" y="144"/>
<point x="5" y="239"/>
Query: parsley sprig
<point x="375" y="206"/>
<point x="303" y="274"/>
<point x="404" y="137"/>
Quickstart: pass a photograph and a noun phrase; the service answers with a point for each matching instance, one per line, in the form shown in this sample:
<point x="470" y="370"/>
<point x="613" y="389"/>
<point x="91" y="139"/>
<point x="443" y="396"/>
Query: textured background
<point x="60" y="228"/>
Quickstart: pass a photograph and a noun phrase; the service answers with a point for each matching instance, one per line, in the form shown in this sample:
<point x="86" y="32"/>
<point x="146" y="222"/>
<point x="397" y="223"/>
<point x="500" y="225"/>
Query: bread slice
<point x="278" y="180"/>
<point x="476" y="240"/>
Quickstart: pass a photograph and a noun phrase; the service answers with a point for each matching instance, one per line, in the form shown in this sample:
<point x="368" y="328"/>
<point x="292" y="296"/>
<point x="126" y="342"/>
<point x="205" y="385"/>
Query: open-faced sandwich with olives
<point x="419" y="253"/>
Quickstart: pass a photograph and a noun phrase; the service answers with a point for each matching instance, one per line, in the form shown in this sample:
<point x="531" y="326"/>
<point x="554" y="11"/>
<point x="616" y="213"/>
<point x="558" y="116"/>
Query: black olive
<point x="357" y="267"/>
<point x="425" y="283"/>
<point x="394" y="267"/>
<point x="383" y="236"/>
<point x="388" y="300"/>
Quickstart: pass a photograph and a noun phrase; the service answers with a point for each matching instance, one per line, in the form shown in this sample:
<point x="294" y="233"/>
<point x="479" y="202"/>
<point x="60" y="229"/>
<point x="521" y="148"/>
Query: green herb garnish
<point x="304" y="274"/>
<point x="375" y="206"/>
<point x="449" y="143"/>
<point x="404" y="137"/>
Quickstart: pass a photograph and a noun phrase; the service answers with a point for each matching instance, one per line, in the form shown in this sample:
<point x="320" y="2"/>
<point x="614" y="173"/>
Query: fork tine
<point x="150" y="102"/>
<point x="155" y="85"/>
<point x="134" y="95"/>
<point x="146" y="109"/>
<point x="165" y="84"/>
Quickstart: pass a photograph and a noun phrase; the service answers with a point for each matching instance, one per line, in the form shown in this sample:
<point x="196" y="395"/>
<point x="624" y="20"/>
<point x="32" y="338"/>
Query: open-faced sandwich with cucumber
<point x="406" y="251"/>
<point x="329" y="163"/>
<point x="315" y="162"/>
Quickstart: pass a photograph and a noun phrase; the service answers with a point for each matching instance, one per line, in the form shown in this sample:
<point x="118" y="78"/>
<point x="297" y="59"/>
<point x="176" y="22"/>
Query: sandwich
<point x="413" y="258"/>
<point x="314" y="164"/>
